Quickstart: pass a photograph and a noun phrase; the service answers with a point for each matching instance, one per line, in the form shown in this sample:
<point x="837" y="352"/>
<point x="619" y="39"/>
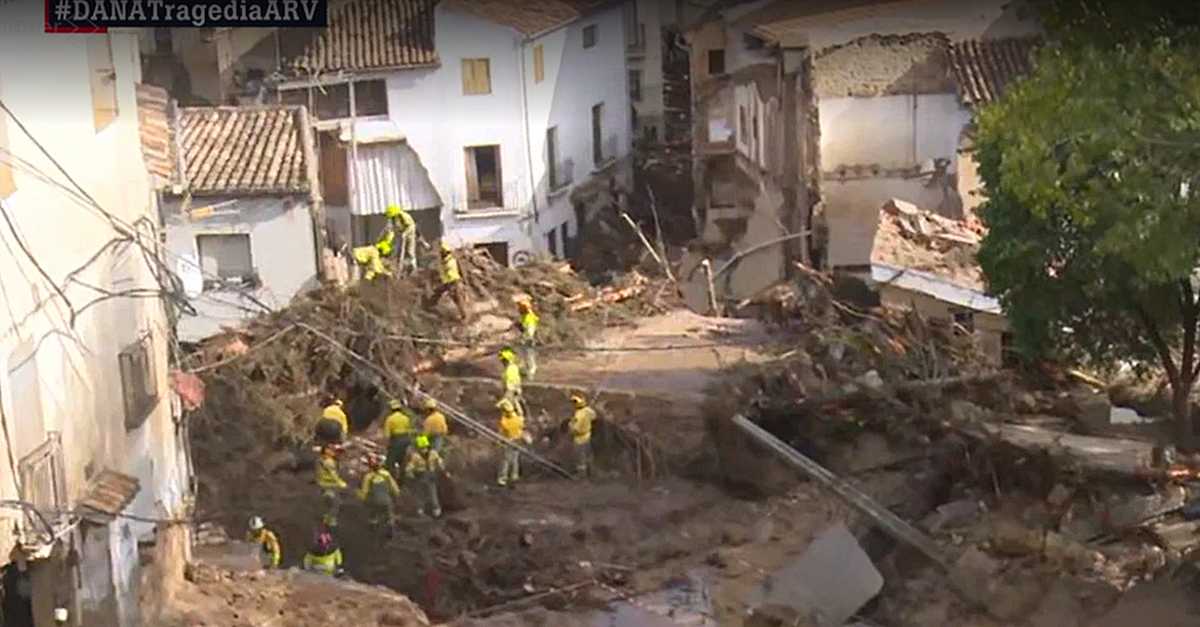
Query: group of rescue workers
<point x="416" y="455"/>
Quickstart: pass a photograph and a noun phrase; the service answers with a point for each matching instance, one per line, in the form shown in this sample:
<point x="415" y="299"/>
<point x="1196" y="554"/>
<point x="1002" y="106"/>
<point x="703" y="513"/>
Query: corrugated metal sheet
<point x="935" y="286"/>
<point x="391" y="173"/>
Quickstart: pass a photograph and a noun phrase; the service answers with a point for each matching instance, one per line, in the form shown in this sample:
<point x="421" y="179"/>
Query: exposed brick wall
<point x="878" y="65"/>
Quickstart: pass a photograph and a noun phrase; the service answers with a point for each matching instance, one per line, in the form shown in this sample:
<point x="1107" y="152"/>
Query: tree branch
<point x="1160" y="345"/>
<point x="1188" y="307"/>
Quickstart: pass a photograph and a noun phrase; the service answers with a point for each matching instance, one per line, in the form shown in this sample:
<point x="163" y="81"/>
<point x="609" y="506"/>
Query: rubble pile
<point x="910" y="237"/>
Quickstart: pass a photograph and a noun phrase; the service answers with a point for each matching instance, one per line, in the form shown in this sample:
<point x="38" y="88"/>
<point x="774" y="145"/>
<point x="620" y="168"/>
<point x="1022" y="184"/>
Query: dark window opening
<point x="226" y="257"/>
<point x="965" y="319"/>
<point x="635" y="85"/>
<point x="484" y="189"/>
<point x="370" y="98"/>
<point x="138" y="385"/>
<point x="716" y="61"/>
<point x="589" y="36"/>
<point x="598" y="134"/>
<point x="332" y="102"/>
<point x="552" y="242"/>
<point x="336" y="189"/>
<point x="497" y="250"/>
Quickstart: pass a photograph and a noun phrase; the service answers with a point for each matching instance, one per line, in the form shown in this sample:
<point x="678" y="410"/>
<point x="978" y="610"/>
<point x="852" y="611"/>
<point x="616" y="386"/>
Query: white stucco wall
<point x="648" y="59"/>
<point x="281" y="247"/>
<point x="44" y="80"/>
<point x="576" y="80"/>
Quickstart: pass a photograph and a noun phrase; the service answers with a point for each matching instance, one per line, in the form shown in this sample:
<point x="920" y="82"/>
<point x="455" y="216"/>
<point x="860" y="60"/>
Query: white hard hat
<point x="61" y="615"/>
<point x="256" y="523"/>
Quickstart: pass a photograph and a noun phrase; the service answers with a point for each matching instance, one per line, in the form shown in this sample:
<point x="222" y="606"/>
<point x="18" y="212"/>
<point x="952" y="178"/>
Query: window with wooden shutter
<point x="139" y="386"/>
<point x="539" y="63"/>
<point x="589" y="36"/>
<point x="477" y="77"/>
<point x="484" y="187"/>
<point x="102" y="80"/>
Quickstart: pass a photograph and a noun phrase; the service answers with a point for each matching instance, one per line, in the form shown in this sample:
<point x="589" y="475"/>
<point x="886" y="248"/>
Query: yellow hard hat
<point x="578" y="399"/>
<point x="445" y="246"/>
<point x="392" y="211"/>
<point x="430" y="403"/>
<point x="421" y="441"/>
<point x="507" y="354"/>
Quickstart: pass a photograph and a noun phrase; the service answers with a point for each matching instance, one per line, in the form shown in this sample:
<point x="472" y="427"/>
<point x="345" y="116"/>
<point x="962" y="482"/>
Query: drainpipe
<point x="533" y="192"/>
<point x="353" y="166"/>
<point x="316" y="205"/>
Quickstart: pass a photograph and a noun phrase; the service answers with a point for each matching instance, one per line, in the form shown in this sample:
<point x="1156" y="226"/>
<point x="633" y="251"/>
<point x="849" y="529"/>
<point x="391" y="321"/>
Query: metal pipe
<point x="890" y="523"/>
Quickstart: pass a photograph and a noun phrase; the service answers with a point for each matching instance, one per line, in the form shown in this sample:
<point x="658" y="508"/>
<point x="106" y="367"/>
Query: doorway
<point x="497" y="250"/>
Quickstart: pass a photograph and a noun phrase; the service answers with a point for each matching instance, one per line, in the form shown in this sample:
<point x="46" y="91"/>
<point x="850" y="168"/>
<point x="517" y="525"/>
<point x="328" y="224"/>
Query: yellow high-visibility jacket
<point x="581" y="424"/>
<point x="327" y="473"/>
<point x="512" y="426"/>
<point x="268" y="543"/>
<point x="450" y="272"/>
<point x="512" y="379"/>
<point x="404" y="221"/>
<point x="387" y="243"/>
<point x="529" y="324"/>
<point x="419" y="464"/>
<point x="335" y="412"/>
<point x="398" y="423"/>
<point x="328" y="564"/>
<point x="375" y="477"/>
<point x="435" y="424"/>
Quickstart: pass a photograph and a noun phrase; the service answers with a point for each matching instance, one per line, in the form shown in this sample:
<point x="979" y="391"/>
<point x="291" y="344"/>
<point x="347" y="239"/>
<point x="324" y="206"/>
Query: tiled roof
<point x="983" y="69"/>
<point x="155" y="132"/>
<point x="530" y="17"/>
<point x="372" y="35"/>
<point x="110" y="493"/>
<point x="255" y="149"/>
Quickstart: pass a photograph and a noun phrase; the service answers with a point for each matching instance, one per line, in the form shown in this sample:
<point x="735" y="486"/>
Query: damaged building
<point x="500" y="125"/>
<point x="811" y="116"/>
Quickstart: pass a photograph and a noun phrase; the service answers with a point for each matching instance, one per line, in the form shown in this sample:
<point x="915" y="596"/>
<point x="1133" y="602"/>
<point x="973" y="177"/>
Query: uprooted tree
<point x="1093" y="207"/>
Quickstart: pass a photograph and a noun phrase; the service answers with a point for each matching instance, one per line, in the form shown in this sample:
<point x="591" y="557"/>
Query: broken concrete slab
<point x="831" y="581"/>
<point x="952" y="514"/>
<point x="1130" y="511"/>
<point x="1180" y="537"/>
<point x="1012" y="538"/>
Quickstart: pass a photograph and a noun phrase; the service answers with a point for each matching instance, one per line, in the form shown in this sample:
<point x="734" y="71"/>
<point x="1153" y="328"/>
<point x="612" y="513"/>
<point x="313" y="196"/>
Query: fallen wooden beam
<point x="1129" y="458"/>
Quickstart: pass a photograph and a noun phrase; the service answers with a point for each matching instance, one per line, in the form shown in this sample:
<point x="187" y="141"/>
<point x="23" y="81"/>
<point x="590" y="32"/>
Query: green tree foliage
<point x="1092" y="169"/>
<point x="1106" y="23"/>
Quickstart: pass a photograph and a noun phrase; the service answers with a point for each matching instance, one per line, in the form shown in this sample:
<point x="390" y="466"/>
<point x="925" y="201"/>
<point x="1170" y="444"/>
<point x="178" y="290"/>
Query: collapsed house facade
<point x="498" y="124"/>
<point x="93" y="440"/>
<point x="810" y="116"/>
<point x="241" y="211"/>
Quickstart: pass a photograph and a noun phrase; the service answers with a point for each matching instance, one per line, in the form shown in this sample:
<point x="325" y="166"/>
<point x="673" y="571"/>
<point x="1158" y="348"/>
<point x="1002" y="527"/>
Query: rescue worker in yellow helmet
<point x="435" y="426"/>
<point x="379" y="491"/>
<point x="269" y="550"/>
<point x="529" y="326"/>
<point x="424" y="465"/>
<point x="401" y="221"/>
<point x="511" y="378"/>
<point x="581" y="433"/>
<point x="512" y="429"/>
<point x="451" y="281"/>
<point x="324" y="556"/>
<point x="330" y="483"/>
<point x="398" y="428"/>
<point x="371" y="259"/>
<point x="334" y="425"/>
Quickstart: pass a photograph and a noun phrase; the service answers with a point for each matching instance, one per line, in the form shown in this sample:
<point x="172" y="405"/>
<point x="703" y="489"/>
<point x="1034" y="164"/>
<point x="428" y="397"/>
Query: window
<point x="227" y="257"/>
<point x="476" y="77"/>
<point x="589" y="36"/>
<point x="965" y="319"/>
<point x="598" y="134"/>
<point x="370" y="98"/>
<point x="336" y="188"/>
<point x="716" y="61"/>
<point x="635" y="85"/>
<point x="742" y="123"/>
<point x="497" y="250"/>
<point x="138" y="385"/>
<point x="484" y="189"/>
<point x="556" y="174"/>
<point x="539" y="63"/>
<point x="103" y="80"/>
<point x="552" y="242"/>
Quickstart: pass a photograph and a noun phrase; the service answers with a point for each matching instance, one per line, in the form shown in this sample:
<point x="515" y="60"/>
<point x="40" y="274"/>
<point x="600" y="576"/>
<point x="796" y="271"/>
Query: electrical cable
<point x="20" y="241"/>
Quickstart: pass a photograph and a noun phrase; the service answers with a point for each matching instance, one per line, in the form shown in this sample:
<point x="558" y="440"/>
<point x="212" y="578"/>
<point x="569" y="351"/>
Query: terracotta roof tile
<point x="110" y="493"/>
<point x="243" y="149"/>
<point x="983" y="69"/>
<point x="526" y="16"/>
<point x="372" y="35"/>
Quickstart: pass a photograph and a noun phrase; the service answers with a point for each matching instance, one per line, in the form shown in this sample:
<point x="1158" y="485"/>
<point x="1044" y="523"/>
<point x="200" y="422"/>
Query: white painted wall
<point x="577" y="79"/>
<point x="44" y="81"/>
<point x="891" y="131"/>
<point x="648" y="59"/>
<point x="281" y="247"/>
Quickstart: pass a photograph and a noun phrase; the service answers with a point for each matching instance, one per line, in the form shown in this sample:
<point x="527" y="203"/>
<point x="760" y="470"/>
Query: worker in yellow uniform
<point x="401" y="221"/>
<point x="379" y="491"/>
<point x="581" y="433"/>
<point x="435" y="427"/>
<point x="398" y="428"/>
<point x="330" y="483"/>
<point x="424" y="465"/>
<point x="324" y="556"/>
<point x="512" y="429"/>
<point x="371" y="258"/>
<point x="511" y="378"/>
<point x="529" y="326"/>
<point x="451" y="282"/>
<point x="269" y="550"/>
<point x="334" y="425"/>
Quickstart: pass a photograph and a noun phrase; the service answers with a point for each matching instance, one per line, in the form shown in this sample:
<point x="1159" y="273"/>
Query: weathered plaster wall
<point x="282" y="251"/>
<point x="878" y="65"/>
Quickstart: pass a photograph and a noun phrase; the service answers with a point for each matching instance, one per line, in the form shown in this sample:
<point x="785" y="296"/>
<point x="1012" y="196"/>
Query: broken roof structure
<point x="371" y="35"/>
<point x="245" y="150"/>
<point x="983" y="69"/>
